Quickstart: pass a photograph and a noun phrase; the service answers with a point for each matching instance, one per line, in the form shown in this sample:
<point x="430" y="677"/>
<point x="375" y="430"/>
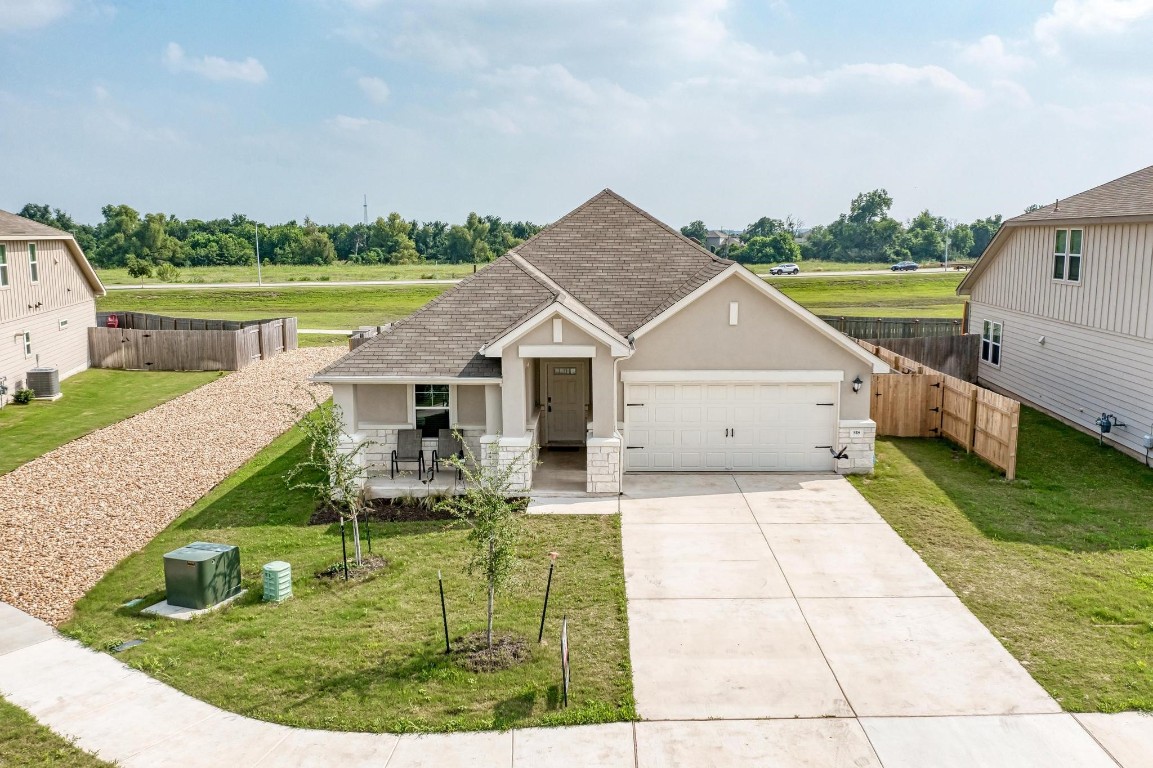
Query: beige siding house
<point x="48" y="296"/>
<point x="1063" y="298"/>
<point x="611" y="335"/>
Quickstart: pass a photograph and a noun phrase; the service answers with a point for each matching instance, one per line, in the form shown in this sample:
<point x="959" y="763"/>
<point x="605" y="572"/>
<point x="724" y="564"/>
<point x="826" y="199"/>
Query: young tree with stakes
<point x="495" y="525"/>
<point x="335" y="474"/>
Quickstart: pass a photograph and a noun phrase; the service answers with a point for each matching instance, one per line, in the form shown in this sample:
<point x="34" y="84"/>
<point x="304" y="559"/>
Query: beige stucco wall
<point x="382" y="404"/>
<point x="470" y="406"/>
<point x="767" y="337"/>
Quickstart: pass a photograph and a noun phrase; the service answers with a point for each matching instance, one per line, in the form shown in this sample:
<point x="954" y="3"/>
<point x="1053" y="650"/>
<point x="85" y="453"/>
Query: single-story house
<point x="48" y="296"/>
<point x="611" y="333"/>
<point x="1063" y="301"/>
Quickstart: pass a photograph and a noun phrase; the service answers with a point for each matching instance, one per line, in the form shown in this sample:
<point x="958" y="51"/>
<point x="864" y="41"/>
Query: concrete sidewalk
<point x="774" y="620"/>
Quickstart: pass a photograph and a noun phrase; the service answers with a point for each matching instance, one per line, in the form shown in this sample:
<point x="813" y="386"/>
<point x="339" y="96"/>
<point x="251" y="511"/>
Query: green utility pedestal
<point x="201" y="575"/>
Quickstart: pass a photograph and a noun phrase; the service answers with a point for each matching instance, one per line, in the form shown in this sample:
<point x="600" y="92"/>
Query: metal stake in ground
<point x="564" y="668"/>
<point x="552" y="556"/>
<point x="368" y="532"/>
<point x="343" y="549"/>
<point x="443" y="612"/>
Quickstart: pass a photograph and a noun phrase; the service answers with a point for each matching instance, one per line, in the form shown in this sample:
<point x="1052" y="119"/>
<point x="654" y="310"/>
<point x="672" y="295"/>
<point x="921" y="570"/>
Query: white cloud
<point x="1086" y="18"/>
<point x="31" y="14"/>
<point x="991" y="53"/>
<point x="213" y="67"/>
<point x="904" y="76"/>
<point x="375" y="89"/>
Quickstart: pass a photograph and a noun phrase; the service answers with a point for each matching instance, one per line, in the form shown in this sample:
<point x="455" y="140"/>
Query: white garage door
<point x="773" y="427"/>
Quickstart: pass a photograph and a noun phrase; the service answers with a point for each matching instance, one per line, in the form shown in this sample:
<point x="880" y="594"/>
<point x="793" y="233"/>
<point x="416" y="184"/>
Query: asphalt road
<point x="333" y="283"/>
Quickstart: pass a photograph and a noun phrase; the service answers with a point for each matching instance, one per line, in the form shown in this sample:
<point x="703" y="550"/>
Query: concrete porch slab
<point x="920" y="656"/>
<point x="588" y="746"/>
<point x="1022" y="741"/>
<point x="851" y="560"/>
<point x="736" y="659"/>
<point x="1128" y="736"/>
<point x="825" y="743"/>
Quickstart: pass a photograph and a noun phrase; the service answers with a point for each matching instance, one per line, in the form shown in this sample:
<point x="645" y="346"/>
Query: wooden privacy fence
<point x="895" y="327"/>
<point x="158" y="343"/>
<point x="952" y="355"/>
<point x="917" y="401"/>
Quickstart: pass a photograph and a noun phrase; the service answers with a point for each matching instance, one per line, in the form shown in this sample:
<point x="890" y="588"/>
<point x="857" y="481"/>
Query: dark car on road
<point x="785" y="269"/>
<point x="904" y="266"/>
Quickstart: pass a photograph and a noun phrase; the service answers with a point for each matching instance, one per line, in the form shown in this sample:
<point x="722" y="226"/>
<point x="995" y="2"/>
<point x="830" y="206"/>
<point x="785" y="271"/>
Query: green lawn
<point x="369" y="656"/>
<point x="24" y="742"/>
<point x="92" y="399"/>
<point x="285" y="273"/>
<point x="328" y="307"/>
<point x="321" y="340"/>
<point x="897" y="295"/>
<point x="1058" y="563"/>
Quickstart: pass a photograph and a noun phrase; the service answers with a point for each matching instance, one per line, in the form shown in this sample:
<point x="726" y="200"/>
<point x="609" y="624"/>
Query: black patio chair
<point x="448" y="446"/>
<point x="408" y="448"/>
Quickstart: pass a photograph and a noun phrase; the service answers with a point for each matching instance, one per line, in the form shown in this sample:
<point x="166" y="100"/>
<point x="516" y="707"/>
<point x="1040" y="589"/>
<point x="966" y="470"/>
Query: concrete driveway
<point x="781" y="600"/>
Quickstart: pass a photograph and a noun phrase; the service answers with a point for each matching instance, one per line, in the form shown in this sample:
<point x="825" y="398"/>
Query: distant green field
<point x="328" y="307"/>
<point x="285" y="273"/>
<point x="897" y="295"/>
<point x="348" y="307"/>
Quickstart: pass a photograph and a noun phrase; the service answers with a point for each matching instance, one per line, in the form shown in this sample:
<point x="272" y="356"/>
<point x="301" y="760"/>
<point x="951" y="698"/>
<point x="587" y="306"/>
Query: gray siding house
<point x="612" y="334"/>
<point x="1063" y="300"/>
<point x="48" y="296"/>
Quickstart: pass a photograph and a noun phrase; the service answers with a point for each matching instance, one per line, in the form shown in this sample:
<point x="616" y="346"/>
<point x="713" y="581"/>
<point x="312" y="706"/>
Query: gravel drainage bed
<point x="69" y="516"/>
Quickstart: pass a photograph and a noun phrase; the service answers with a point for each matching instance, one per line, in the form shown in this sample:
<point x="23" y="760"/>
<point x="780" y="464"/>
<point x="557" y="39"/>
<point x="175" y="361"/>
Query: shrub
<point x="23" y="396"/>
<point x="167" y="273"/>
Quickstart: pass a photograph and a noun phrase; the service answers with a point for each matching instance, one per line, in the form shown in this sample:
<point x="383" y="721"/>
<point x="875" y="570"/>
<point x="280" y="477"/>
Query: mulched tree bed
<point x="370" y="564"/>
<point x="472" y="652"/>
<point x="399" y="510"/>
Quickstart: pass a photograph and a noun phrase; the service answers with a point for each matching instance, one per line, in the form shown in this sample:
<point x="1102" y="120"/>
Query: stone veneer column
<point x="858" y="438"/>
<point x="604" y="464"/>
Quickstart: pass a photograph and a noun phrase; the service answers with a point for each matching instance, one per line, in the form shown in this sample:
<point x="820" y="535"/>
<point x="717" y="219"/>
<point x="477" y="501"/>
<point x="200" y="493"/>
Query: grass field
<point x="1058" y="564"/>
<point x="336" y="307"/>
<point x="24" y="742"/>
<point x="348" y="307"/>
<point x="92" y="399"/>
<point x="897" y="295"/>
<point x="369" y="656"/>
<point x="277" y="273"/>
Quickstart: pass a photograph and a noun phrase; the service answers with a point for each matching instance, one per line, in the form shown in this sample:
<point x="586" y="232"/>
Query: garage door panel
<point x="733" y="426"/>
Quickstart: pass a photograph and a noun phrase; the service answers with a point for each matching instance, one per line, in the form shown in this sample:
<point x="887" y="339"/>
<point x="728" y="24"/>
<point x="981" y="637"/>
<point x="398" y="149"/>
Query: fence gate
<point x="907" y="405"/>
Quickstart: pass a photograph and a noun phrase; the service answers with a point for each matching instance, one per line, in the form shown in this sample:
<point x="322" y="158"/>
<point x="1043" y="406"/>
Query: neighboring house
<point x="47" y="300"/>
<point x="610" y="331"/>
<point x="717" y="240"/>
<point x="1063" y="300"/>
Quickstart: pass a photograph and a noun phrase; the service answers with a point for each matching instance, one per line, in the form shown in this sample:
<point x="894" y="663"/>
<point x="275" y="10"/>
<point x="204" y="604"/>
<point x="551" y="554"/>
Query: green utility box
<point x="201" y="575"/>
<point x="277" y="581"/>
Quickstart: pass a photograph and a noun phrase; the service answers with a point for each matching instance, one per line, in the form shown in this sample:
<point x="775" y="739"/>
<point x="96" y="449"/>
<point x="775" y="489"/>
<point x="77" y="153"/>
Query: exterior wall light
<point x="857" y="384"/>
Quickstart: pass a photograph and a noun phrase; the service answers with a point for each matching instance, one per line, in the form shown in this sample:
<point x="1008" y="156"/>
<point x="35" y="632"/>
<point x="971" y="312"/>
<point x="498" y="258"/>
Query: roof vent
<point x="1057" y="204"/>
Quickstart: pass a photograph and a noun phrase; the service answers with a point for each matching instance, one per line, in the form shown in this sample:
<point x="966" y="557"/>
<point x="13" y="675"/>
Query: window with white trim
<point x="991" y="343"/>
<point x="432" y="408"/>
<point x="33" y="265"/>
<point x="27" y="344"/>
<point x="1067" y="255"/>
<point x="3" y="266"/>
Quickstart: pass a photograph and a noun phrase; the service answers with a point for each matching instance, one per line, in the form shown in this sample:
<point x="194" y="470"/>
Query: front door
<point x="566" y="392"/>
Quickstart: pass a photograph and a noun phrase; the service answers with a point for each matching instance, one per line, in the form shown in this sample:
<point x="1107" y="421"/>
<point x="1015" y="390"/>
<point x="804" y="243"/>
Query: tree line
<point x="867" y="233"/>
<point x="159" y="241"/>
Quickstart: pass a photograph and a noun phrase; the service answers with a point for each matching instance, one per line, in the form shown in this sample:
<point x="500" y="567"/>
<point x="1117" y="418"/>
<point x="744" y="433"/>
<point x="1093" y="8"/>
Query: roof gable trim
<point x="616" y="343"/>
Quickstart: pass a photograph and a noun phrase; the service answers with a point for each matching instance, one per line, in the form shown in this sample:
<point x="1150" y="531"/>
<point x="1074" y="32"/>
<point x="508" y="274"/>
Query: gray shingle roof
<point x="1130" y="195"/>
<point x="444" y="337"/>
<point x="611" y="256"/>
<point x="12" y="225"/>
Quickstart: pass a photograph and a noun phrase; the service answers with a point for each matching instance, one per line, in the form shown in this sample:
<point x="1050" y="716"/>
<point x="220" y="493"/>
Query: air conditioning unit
<point x="45" y="382"/>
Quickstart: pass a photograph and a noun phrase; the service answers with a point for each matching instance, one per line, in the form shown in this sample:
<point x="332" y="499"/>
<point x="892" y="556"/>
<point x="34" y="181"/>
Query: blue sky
<point x="712" y="109"/>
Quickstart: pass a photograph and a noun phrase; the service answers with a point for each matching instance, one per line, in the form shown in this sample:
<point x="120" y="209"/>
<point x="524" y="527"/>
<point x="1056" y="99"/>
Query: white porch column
<point x="512" y="394"/>
<point x="492" y="409"/>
